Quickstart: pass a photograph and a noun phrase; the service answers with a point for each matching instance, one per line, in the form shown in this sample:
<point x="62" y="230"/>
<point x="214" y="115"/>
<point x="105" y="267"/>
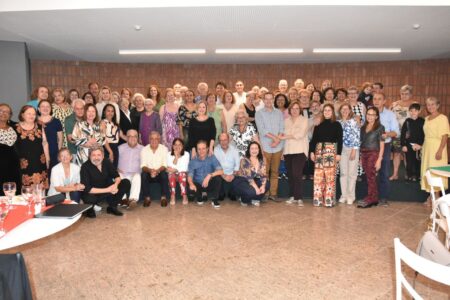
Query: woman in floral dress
<point x="169" y="114"/>
<point x="61" y="110"/>
<point x="32" y="148"/>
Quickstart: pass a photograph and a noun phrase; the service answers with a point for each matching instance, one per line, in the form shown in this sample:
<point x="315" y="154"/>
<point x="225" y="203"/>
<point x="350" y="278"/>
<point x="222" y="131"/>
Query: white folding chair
<point x="443" y="210"/>
<point x="421" y="265"/>
<point x="435" y="184"/>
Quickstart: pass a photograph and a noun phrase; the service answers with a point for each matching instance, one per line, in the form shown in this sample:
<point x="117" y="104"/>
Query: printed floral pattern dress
<point x="61" y="114"/>
<point x="242" y="139"/>
<point x="401" y="113"/>
<point x="171" y="130"/>
<point x="184" y="117"/>
<point x="82" y="133"/>
<point x="33" y="168"/>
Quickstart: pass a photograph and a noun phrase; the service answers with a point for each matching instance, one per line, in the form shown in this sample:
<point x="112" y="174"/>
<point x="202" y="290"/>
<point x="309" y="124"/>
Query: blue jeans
<point x="383" y="173"/>
<point x="243" y="189"/>
<point x="75" y="196"/>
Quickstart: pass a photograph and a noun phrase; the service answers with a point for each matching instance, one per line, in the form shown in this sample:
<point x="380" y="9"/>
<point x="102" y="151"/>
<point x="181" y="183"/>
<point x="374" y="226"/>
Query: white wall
<point x="14" y="75"/>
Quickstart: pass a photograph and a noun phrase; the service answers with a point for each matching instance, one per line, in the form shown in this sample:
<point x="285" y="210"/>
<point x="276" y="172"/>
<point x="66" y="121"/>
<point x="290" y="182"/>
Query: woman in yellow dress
<point x="434" y="148"/>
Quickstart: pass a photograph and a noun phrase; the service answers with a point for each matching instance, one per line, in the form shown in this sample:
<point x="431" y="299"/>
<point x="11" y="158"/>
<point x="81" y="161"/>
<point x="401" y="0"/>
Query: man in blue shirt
<point x="270" y="124"/>
<point x="204" y="176"/>
<point x="228" y="157"/>
<point x="389" y="121"/>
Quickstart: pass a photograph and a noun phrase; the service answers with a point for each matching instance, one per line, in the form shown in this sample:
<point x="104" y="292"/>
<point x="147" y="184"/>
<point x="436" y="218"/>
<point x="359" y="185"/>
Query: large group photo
<point x="235" y="180"/>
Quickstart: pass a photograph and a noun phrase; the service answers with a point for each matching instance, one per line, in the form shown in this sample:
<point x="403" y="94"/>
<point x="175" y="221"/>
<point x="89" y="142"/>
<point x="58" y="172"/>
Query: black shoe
<point x="365" y="204"/>
<point x="232" y="197"/>
<point x="215" y="203"/>
<point x="114" y="211"/>
<point x="90" y="213"/>
<point x="202" y="200"/>
<point x="221" y="197"/>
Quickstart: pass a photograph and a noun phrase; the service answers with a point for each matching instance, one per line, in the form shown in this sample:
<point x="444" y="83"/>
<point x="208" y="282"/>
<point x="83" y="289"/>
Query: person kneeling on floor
<point x="102" y="182"/>
<point x="204" y="176"/>
<point x="252" y="182"/>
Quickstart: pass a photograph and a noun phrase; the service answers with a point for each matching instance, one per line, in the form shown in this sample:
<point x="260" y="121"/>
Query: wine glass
<point x="27" y="194"/>
<point x="4" y="210"/>
<point x="9" y="188"/>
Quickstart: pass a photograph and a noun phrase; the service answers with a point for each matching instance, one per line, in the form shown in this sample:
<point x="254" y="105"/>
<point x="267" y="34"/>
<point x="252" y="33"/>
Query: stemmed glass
<point x="9" y="188"/>
<point x="27" y="194"/>
<point x="4" y="210"/>
<point x="39" y="198"/>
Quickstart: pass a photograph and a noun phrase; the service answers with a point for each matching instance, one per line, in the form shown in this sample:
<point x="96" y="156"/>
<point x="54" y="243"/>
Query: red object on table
<point x="20" y="214"/>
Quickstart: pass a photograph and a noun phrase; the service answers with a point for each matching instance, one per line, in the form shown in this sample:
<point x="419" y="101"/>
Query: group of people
<point x="113" y="147"/>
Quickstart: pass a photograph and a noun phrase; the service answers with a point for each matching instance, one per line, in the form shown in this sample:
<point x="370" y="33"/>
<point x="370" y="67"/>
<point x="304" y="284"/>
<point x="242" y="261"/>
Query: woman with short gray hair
<point x="243" y="132"/>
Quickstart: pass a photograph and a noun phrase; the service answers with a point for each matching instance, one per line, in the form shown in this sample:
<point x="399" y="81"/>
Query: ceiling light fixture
<point x="259" y="51"/>
<point x="357" y="50"/>
<point x="162" y="51"/>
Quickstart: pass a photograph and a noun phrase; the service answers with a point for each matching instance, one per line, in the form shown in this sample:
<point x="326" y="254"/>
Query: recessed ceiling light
<point x="137" y="27"/>
<point x="357" y="50"/>
<point x="259" y="51"/>
<point x="416" y="26"/>
<point x="162" y="51"/>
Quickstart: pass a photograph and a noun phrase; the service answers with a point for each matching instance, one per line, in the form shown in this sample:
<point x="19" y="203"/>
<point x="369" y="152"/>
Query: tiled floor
<point x="275" y="251"/>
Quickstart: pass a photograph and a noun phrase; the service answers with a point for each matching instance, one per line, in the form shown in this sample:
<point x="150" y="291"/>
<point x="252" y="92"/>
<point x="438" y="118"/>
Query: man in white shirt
<point x="228" y="157"/>
<point x="129" y="166"/>
<point x="239" y="95"/>
<point x="178" y="97"/>
<point x="153" y="165"/>
<point x="105" y="98"/>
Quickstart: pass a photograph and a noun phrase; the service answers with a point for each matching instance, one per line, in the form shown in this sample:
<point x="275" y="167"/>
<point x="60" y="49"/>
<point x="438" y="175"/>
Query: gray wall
<point x="14" y="75"/>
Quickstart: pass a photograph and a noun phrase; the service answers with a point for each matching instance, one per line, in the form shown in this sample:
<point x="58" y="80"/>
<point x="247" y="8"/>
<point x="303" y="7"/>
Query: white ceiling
<point x="98" y="34"/>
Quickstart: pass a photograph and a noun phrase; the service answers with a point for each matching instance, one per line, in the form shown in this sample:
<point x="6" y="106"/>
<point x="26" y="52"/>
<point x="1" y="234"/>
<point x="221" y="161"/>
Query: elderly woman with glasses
<point x="243" y="132"/>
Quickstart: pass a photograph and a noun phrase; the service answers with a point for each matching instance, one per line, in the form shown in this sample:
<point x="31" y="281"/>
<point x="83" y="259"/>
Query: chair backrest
<point x="423" y="266"/>
<point x="435" y="184"/>
<point x="443" y="207"/>
<point x="432" y="248"/>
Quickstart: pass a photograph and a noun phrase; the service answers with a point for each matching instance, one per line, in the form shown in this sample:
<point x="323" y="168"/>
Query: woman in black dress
<point x="32" y="148"/>
<point x="53" y="131"/>
<point x="9" y="162"/>
<point x="126" y="122"/>
<point x="201" y="128"/>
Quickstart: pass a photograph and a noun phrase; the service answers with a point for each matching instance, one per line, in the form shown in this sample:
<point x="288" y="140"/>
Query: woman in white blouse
<point x="295" y="151"/>
<point x="177" y="167"/>
<point x="65" y="177"/>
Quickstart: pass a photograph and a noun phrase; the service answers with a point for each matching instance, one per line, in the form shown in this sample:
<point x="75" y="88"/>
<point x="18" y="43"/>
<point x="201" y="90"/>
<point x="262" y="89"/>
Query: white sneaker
<point x="342" y="200"/>
<point x="350" y="202"/>
<point x="291" y="200"/>
<point x="255" y="203"/>
<point x="97" y="208"/>
<point x="300" y="202"/>
<point x="243" y="203"/>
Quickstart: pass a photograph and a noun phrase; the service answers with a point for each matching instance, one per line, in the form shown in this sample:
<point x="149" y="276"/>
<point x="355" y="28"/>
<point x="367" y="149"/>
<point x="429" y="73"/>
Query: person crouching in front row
<point x="102" y="182"/>
<point x="204" y="176"/>
<point x="252" y="183"/>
